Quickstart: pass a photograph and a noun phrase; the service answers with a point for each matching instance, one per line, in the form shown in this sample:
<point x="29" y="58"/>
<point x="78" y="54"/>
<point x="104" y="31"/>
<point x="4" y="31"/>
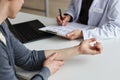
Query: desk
<point x="85" y="67"/>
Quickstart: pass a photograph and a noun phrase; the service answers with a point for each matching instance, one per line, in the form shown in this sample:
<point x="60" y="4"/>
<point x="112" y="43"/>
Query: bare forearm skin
<point x="65" y="53"/>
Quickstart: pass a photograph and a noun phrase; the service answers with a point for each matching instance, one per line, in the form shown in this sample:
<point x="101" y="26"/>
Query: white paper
<point x="63" y="30"/>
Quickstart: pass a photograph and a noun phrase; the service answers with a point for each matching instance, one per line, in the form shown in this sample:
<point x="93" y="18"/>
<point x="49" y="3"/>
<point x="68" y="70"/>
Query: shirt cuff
<point x="67" y="13"/>
<point x="84" y="35"/>
<point x="42" y="75"/>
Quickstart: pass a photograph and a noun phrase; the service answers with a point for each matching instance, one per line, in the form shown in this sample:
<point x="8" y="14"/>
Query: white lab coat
<point x="104" y="15"/>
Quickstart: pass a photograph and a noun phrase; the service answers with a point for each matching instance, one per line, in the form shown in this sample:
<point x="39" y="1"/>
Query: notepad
<point x="63" y="30"/>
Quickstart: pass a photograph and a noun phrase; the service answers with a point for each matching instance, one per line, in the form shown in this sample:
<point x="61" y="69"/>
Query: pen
<point x="60" y="13"/>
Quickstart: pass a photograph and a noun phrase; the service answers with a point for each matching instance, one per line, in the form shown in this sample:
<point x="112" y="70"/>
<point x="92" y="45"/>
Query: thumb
<point x="91" y="40"/>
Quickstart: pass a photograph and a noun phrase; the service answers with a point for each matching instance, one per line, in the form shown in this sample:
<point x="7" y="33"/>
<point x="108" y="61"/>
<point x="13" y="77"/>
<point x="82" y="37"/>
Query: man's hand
<point x="53" y="64"/>
<point x="85" y="47"/>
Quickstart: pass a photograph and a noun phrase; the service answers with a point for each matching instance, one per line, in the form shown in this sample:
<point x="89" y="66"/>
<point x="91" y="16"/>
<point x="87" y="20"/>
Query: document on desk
<point x="63" y="30"/>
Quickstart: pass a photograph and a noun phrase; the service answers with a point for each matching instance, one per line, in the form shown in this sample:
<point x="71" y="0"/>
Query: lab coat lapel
<point x="96" y="12"/>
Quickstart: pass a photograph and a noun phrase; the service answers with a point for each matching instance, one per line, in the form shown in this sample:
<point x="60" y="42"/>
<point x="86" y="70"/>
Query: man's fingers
<point x="91" y="40"/>
<point x="60" y="63"/>
<point x="53" y="56"/>
<point x="95" y="49"/>
<point x="98" y="46"/>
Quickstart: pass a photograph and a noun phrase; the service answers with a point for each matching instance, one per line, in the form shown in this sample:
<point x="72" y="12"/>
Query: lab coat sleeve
<point x="71" y="9"/>
<point x="110" y="29"/>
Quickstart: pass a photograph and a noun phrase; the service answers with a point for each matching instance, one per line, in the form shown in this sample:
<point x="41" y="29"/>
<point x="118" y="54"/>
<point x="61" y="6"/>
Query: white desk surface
<point x="84" y="67"/>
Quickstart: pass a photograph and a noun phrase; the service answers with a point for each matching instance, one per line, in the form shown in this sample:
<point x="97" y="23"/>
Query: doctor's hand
<point x="65" y="19"/>
<point x="85" y="47"/>
<point x="52" y="64"/>
<point x="74" y="35"/>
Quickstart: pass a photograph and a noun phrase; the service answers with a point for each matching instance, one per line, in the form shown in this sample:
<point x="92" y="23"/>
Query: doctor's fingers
<point x="59" y="21"/>
<point x="74" y="34"/>
<point x="64" y="20"/>
<point x="72" y="37"/>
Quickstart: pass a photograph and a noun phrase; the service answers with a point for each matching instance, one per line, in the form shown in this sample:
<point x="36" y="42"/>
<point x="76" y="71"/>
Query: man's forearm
<point x="64" y="54"/>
